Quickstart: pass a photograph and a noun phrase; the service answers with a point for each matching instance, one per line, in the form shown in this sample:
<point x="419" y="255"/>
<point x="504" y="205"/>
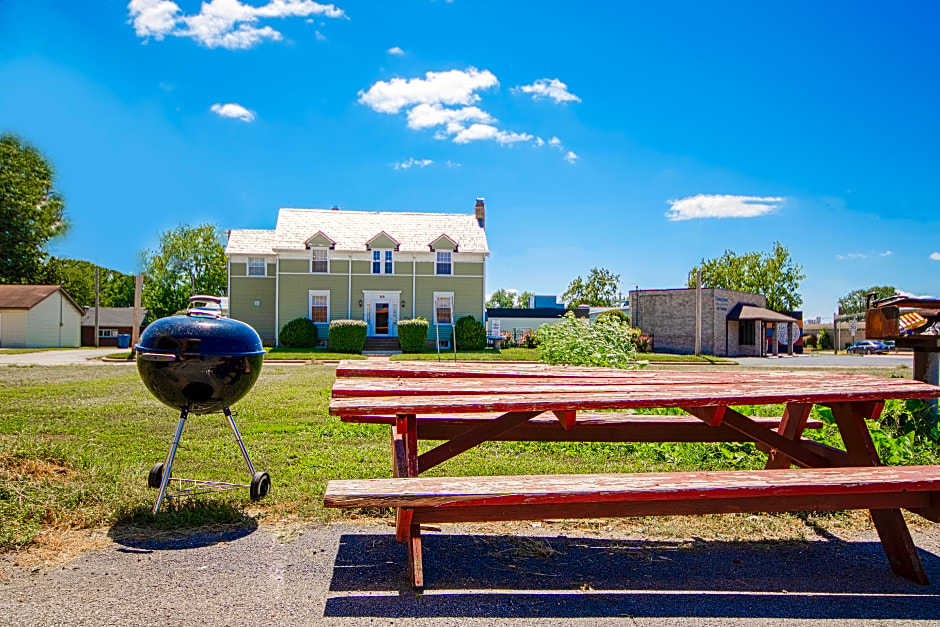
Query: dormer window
<point x="444" y="264"/>
<point x="382" y="262"/>
<point x="319" y="261"/>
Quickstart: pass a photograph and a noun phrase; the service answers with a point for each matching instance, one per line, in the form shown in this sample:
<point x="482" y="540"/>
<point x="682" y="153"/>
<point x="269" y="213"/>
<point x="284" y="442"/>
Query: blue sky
<point x="815" y="124"/>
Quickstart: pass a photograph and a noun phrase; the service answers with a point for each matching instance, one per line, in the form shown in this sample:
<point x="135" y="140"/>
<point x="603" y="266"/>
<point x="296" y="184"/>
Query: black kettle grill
<point x="200" y="363"/>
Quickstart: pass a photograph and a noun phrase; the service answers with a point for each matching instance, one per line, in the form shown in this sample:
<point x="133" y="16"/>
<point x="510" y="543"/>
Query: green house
<point x="376" y="266"/>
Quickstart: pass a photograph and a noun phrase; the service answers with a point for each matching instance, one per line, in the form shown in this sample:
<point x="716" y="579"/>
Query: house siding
<point x="53" y="323"/>
<point x="238" y="269"/>
<point x="13" y="329"/>
<point x="247" y="290"/>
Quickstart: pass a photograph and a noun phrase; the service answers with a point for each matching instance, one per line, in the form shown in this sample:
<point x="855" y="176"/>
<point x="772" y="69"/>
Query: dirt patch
<point x="28" y="469"/>
<point x="52" y="547"/>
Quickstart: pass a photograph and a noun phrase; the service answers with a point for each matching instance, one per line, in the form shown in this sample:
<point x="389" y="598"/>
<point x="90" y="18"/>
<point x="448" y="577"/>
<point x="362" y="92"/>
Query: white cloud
<point x="913" y="295"/>
<point x="851" y="256"/>
<point x="539" y="141"/>
<point x="233" y="110"/>
<point x="886" y="253"/>
<point x="548" y="88"/>
<point x="425" y="100"/>
<point x="477" y="132"/>
<point x="721" y="206"/>
<point x="935" y="255"/>
<point x="554" y="141"/>
<point x="320" y="36"/>
<point x="453" y="87"/>
<point x="430" y="115"/>
<point x="412" y="162"/>
<point x="227" y="24"/>
<point x="571" y="157"/>
<point x="452" y="164"/>
<point x="396" y="50"/>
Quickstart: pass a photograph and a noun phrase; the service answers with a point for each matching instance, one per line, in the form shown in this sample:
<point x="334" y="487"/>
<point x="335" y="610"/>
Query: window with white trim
<point x="319" y="261"/>
<point x="382" y="262"/>
<point x="257" y="266"/>
<point x="319" y="306"/>
<point x="107" y="332"/>
<point x="443" y="307"/>
<point x="444" y="263"/>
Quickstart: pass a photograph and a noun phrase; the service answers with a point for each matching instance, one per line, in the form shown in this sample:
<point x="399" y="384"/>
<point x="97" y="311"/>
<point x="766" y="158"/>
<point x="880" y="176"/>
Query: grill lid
<point x="200" y="334"/>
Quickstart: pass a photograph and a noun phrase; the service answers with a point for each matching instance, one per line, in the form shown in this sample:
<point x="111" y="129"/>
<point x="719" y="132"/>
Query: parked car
<point x="891" y="345"/>
<point x="867" y="347"/>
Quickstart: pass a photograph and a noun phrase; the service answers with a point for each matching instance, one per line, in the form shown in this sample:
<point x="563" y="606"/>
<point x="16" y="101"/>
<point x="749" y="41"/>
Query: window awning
<point x="753" y="312"/>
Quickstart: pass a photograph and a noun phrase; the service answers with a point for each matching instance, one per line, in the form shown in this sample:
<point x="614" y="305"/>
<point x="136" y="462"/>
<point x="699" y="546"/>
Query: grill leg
<point x="168" y="464"/>
<point x="238" y="438"/>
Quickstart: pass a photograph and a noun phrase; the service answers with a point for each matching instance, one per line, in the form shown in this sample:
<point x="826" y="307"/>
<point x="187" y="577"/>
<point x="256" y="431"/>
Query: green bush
<point x="348" y="336"/>
<point x="607" y="342"/>
<point x="809" y="341"/>
<point x="298" y="333"/>
<point x="616" y="314"/>
<point x="470" y="334"/>
<point x="413" y="335"/>
<point x="824" y="340"/>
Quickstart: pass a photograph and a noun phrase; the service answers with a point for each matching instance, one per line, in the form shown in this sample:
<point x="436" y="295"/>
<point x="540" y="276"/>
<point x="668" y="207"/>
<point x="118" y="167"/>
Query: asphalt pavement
<point x="355" y="575"/>
<point x="58" y="357"/>
<point x="842" y="360"/>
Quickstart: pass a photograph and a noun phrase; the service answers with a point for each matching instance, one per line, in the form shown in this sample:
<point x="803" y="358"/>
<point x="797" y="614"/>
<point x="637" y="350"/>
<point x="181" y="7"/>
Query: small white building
<point x="39" y="316"/>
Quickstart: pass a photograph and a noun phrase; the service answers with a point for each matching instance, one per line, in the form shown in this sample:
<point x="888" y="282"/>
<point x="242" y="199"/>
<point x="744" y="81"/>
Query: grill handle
<point x="156" y="356"/>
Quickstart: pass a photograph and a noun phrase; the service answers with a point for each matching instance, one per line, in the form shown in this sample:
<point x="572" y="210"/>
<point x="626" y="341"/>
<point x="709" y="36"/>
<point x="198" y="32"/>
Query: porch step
<point x="382" y="344"/>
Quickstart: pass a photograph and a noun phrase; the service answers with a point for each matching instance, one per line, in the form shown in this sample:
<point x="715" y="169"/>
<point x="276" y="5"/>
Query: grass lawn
<point x="507" y="354"/>
<point x="307" y="353"/>
<point x="76" y="444"/>
<point x="274" y="354"/>
<point x="24" y="351"/>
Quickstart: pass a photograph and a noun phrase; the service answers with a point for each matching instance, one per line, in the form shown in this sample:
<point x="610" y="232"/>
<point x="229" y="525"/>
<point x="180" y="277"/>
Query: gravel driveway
<point x="352" y="575"/>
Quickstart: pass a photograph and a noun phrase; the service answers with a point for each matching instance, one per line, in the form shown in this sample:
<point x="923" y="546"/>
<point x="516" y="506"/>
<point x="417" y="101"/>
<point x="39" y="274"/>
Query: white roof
<point x="250" y="242"/>
<point x="351" y="230"/>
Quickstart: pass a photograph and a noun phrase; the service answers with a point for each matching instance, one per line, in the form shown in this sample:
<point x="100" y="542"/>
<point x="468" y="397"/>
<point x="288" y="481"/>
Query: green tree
<point x="522" y="300"/>
<point x="31" y="211"/>
<point x="78" y="278"/>
<point x="854" y="301"/>
<point x="598" y="290"/>
<point x="501" y="299"/>
<point x="189" y="260"/>
<point x="773" y="274"/>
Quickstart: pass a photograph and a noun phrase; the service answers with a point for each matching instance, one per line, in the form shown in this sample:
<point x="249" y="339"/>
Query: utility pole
<point x="138" y="312"/>
<point x="698" y="312"/>
<point x="96" y="306"/>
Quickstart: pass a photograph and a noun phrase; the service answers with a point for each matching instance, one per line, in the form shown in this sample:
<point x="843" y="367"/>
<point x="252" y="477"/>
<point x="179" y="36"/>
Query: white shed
<point x="39" y="316"/>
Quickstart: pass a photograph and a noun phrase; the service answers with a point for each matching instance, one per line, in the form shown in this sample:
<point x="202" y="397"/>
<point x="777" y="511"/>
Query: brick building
<point x="733" y="323"/>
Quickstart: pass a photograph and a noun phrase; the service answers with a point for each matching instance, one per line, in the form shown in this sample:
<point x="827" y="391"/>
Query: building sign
<point x="495" y="327"/>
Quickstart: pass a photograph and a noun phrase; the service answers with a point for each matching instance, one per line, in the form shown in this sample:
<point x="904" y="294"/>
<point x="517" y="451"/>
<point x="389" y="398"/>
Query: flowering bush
<point x="607" y="342"/>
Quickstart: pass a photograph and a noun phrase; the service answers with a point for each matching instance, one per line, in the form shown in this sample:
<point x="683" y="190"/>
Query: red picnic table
<point x="466" y="404"/>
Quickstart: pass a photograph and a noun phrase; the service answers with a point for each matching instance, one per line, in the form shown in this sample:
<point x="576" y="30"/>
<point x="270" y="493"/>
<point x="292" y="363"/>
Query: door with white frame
<point x="380" y="311"/>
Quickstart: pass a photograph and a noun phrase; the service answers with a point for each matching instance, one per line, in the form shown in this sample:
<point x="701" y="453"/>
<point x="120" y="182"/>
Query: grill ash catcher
<point x="200" y="363"/>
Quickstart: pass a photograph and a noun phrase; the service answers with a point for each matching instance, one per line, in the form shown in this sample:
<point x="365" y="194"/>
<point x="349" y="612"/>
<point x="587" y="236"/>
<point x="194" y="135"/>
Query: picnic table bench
<point x="467" y="404"/>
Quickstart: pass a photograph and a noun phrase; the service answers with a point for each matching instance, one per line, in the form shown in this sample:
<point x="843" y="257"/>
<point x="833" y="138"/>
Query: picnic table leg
<point x="895" y="536"/>
<point x="406" y="463"/>
<point x="791" y="427"/>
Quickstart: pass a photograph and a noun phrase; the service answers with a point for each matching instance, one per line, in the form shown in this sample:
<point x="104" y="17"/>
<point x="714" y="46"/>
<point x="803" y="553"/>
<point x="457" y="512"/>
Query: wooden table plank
<point x="657" y="396"/>
<point x="535" y="489"/>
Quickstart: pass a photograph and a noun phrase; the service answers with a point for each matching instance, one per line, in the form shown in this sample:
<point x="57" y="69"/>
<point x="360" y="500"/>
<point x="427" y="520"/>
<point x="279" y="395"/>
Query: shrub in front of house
<point x="617" y="314"/>
<point x="824" y="339"/>
<point x="347" y="336"/>
<point x="607" y="342"/>
<point x="809" y="341"/>
<point x="413" y="335"/>
<point x="298" y="333"/>
<point x="470" y="334"/>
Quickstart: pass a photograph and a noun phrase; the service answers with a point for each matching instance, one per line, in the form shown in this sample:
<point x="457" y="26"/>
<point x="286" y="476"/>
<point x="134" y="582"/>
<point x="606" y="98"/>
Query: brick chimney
<point x="480" y="211"/>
